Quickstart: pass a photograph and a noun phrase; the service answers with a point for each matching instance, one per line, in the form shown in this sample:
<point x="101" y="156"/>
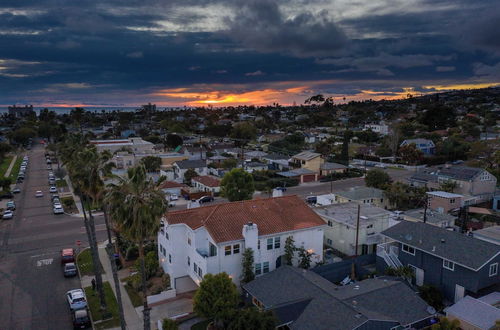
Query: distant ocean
<point x="63" y="110"/>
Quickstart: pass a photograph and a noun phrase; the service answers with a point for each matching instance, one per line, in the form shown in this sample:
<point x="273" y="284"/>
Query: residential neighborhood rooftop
<point x="461" y="249"/>
<point x="207" y="180"/>
<point x="187" y="164"/>
<point x="443" y="194"/>
<point x="306" y="155"/>
<point x="475" y="312"/>
<point x="360" y="192"/>
<point x="315" y="303"/>
<point x="224" y="222"/>
<point x="347" y="213"/>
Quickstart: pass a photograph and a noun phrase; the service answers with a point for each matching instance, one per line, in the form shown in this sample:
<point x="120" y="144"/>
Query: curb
<point x="81" y="284"/>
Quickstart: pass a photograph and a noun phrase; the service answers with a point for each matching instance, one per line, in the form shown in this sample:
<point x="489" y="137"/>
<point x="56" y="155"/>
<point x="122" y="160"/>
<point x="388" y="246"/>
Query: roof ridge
<point x="203" y="222"/>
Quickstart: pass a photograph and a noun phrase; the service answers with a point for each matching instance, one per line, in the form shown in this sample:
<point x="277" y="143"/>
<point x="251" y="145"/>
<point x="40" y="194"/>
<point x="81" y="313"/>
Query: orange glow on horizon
<point x="461" y="86"/>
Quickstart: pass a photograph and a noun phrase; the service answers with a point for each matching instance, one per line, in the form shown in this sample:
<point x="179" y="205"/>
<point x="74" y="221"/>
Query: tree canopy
<point x="377" y="179"/>
<point x="237" y="185"/>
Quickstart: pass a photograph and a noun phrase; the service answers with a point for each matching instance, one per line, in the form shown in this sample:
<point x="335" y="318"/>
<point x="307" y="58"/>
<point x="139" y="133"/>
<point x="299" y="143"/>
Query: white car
<point x="8" y="214"/>
<point x="39" y="193"/>
<point x="58" y="209"/>
<point x="76" y="299"/>
<point x="174" y="197"/>
<point x="53" y="189"/>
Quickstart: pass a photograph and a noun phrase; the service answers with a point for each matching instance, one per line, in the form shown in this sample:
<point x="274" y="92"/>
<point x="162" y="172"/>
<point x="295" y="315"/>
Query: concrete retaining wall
<point x="165" y="295"/>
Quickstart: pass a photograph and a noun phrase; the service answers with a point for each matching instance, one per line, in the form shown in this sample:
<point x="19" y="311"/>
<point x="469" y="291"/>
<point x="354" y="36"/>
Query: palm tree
<point x="136" y="205"/>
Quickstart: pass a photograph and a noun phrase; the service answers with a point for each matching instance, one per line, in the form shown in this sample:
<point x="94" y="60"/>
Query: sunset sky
<point x="211" y="52"/>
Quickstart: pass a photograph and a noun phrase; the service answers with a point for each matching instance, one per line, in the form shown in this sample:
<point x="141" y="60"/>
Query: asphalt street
<point x="32" y="285"/>
<point x="318" y="188"/>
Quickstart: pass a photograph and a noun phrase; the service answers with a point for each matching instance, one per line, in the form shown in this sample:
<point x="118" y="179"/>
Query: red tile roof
<point x="207" y="180"/>
<point x="224" y="222"/>
<point x="172" y="184"/>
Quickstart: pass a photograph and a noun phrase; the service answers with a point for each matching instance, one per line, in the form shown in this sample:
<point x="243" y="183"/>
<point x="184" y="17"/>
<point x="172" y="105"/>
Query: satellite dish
<point x="431" y="310"/>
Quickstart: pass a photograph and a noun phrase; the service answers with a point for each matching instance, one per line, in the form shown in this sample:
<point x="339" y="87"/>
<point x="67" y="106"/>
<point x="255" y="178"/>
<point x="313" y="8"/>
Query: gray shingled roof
<point x="187" y="164"/>
<point x="276" y="157"/>
<point x="306" y="155"/>
<point x="332" y="166"/>
<point x="431" y="174"/>
<point x="450" y="245"/>
<point x="311" y="302"/>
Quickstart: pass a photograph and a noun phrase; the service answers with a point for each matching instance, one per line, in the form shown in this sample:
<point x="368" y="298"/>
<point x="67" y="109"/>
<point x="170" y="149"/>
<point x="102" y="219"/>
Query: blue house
<point x="457" y="264"/>
<point x="426" y="146"/>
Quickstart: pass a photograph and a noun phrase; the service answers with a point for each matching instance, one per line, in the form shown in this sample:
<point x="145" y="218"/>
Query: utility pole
<point x="357" y="231"/>
<point x="425" y="207"/>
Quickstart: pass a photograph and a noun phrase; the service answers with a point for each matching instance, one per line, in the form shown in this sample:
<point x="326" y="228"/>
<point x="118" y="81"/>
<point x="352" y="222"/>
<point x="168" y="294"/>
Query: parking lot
<point x="32" y="285"/>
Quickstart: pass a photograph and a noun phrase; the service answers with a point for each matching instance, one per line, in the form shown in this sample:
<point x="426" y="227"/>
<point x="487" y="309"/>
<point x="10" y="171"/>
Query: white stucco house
<point x="212" y="239"/>
<point x="206" y="183"/>
<point x="381" y="128"/>
<point x="181" y="167"/>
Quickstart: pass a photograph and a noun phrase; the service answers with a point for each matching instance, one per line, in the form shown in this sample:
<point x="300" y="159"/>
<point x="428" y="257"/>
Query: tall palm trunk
<point x="146" y="310"/>
<point x="86" y="223"/>
<point x="96" y="262"/>
<point x="110" y="249"/>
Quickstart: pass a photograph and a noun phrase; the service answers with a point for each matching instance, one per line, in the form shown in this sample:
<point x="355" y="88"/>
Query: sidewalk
<point x="132" y="318"/>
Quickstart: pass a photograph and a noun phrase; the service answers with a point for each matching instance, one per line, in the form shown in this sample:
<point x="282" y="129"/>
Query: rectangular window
<point x="266" y="267"/>
<point x="448" y="265"/>
<point x="227" y="250"/>
<point x="236" y="248"/>
<point x="330" y="223"/>
<point x="213" y="250"/>
<point x="258" y="269"/>
<point x="189" y="261"/>
<point x="169" y="258"/>
<point x="277" y="242"/>
<point x="494" y="269"/>
<point x="189" y="240"/>
<point x="258" y="244"/>
<point x="200" y="272"/>
<point x="408" y="249"/>
<point x="369" y="226"/>
<point x="329" y="241"/>
<point x="195" y="267"/>
<point x="166" y="235"/>
<point x="269" y="243"/>
<point x="452" y="200"/>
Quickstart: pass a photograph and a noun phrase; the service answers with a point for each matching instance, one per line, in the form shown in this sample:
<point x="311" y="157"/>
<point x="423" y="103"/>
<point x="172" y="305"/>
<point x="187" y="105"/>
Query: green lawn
<point x="15" y="169"/>
<point x="135" y="297"/>
<point x="5" y="165"/>
<point x="94" y="306"/>
<point x="84" y="260"/>
<point x="69" y="204"/>
<point x="61" y="183"/>
<point x="201" y="325"/>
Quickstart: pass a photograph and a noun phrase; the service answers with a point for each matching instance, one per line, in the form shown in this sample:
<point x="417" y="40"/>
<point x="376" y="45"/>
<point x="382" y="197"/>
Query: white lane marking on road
<point x="44" y="262"/>
<point x="43" y="254"/>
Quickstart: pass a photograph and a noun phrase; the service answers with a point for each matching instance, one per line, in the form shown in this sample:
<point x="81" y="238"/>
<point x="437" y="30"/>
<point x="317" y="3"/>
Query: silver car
<point x="76" y="299"/>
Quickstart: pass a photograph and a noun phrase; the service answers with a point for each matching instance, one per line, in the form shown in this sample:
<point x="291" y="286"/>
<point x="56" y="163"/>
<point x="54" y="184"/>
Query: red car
<point x="67" y="255"/>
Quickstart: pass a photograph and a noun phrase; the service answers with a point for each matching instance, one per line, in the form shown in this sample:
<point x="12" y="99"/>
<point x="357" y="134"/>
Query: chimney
<point x="250" y="234"/>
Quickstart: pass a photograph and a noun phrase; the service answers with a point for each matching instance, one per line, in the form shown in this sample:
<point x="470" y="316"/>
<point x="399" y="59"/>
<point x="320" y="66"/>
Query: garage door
<point x="308" y="177"/>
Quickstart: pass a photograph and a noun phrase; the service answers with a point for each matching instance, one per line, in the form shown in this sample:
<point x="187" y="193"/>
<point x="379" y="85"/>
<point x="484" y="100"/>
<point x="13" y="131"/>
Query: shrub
<point x="432" y="296"/>
<point x="132" y="253"/>
<point x="169" y="324"/>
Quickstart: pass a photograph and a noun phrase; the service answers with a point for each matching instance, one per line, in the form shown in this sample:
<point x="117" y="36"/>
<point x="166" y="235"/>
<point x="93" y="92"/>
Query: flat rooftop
<point x="347" y="213"/>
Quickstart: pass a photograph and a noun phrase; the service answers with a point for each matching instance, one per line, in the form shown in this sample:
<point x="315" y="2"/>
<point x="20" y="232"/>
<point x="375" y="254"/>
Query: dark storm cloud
<point x="262" y="26"/>
<point x="79" y="48"/>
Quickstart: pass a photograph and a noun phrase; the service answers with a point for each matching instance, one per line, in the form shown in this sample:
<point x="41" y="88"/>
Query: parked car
<point x="49" y="161"/>
<point x="311" y="199"/>
<point x="11" y="205"/>
<point x="7" y="215"/>
<point x="81" y="319"/>
<point x="173" y="197"/>
<point x="69" y="269"/>
<point x="6" y="195"/>
<point x="205" y="199"/>
<point x="16" y="190"/>
<point x="76" y="299"/>
<point x="283" y="189"/>
<point x="52" y="189"/>
<point x="67" y="256"/>
<point x="39" y="193"/>
<point x="49" y="167"/>
<point x="58" y="209"/>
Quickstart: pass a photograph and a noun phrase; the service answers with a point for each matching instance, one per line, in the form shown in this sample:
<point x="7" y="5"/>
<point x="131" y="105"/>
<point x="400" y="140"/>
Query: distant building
<point x="206" y="183"/>
<point x="134" y="145"/>
<point x="381" y="128"/>
<point x="19" y="111"/>
<point x="149" y="107"/>
<point x="488" y="234"/>
<point x="362" y="195"/>
<point x="434" y="218"/>
<point x="426" y="146"/>
<point x="443" y="202"/>
<point x="470" y="181"/>
<point x="308" y="160"/>
<point x="181" y="167"/>
<point x="331" y="168"/>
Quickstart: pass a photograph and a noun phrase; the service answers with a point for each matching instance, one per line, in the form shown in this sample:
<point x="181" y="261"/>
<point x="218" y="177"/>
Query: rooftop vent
<point x="408" y="237"/>
<point x="442" y="240"/>
<point x="434" y="249"/>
